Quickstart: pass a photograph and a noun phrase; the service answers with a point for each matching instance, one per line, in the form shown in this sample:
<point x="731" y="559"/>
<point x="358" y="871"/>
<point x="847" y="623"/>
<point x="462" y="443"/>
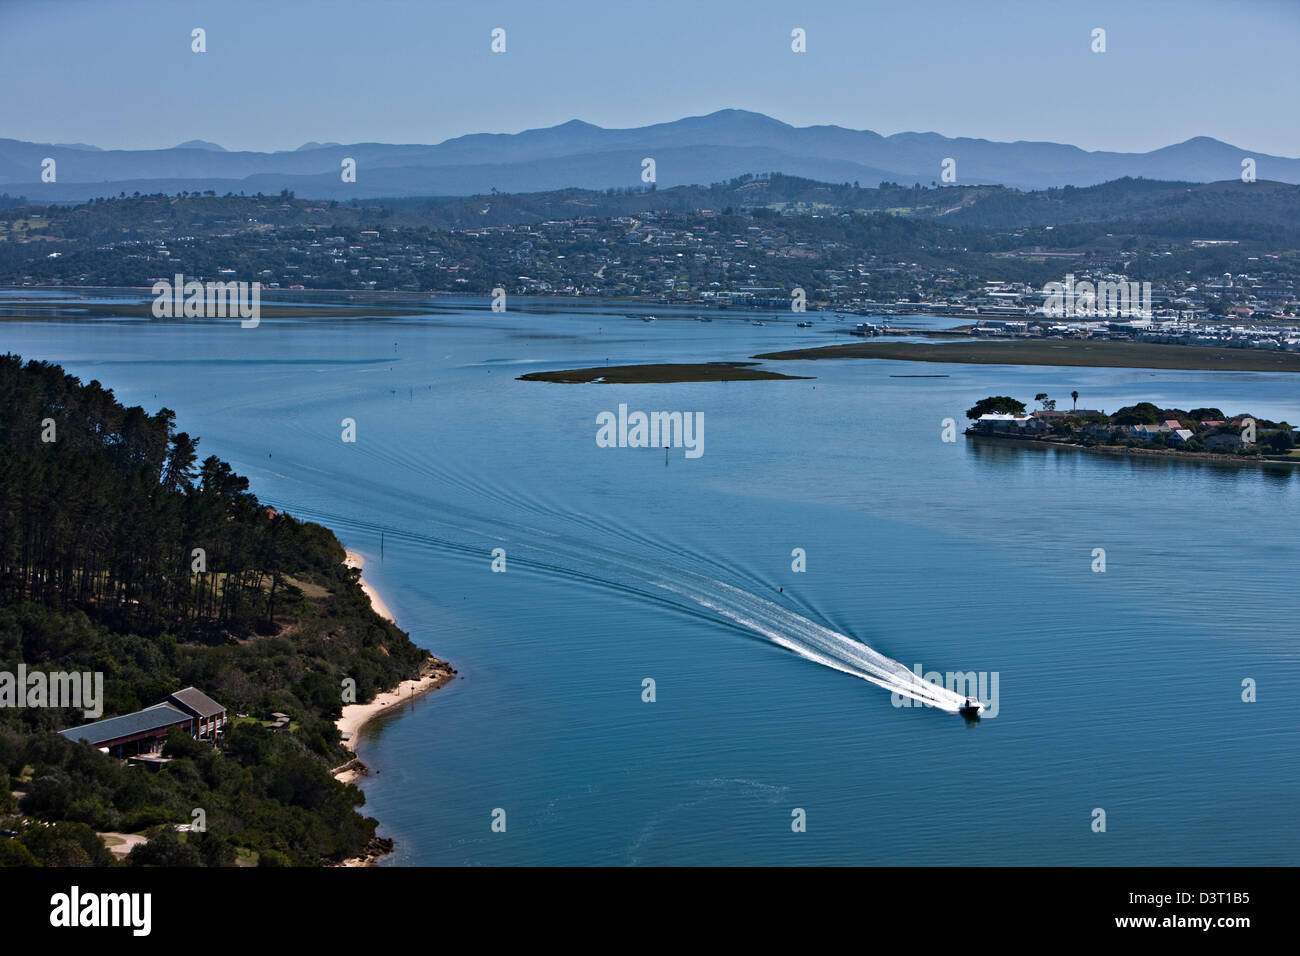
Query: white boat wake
<point x="656" y="579"/>
<point x="821" y="644"/>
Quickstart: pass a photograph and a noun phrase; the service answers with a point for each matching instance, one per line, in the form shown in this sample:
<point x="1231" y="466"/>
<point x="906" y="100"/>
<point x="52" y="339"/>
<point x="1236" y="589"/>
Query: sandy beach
<point x="354" y="560"/>
<point x="433" y="674"/>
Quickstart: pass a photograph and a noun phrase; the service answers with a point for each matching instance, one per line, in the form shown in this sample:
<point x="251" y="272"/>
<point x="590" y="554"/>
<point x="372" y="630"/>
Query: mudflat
<point x="1100" y="354"/>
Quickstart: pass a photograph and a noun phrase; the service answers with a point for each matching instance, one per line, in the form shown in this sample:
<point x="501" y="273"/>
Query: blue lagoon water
<point x="1118" y="690"/>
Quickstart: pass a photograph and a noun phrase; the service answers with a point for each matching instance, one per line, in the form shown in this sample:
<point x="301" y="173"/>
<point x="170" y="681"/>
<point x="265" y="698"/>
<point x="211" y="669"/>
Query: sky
<point x="121" y="73"/>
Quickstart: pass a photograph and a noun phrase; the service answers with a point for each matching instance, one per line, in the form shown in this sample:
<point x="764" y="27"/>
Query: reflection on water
<point x="1001" y="452"/>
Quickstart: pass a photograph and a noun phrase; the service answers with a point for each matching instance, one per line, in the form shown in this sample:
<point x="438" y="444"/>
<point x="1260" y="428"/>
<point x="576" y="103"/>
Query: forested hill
<point x="1184" y="208"/>
<point x="121" y="553"/>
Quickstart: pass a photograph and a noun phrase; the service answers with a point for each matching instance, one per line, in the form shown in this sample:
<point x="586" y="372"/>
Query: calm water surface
<point x="1118" y="690"/>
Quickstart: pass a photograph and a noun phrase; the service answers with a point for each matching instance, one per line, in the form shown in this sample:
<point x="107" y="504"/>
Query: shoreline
<point x="434" y="673"/>
<point x="1059" y="353"/>
<point x="355" y="560"/>
<point x="659" y="373"/>
<point x="1122" y="451"/>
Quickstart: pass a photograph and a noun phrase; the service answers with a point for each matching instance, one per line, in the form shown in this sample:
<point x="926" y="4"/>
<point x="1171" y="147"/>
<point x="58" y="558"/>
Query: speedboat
<point x="803" y="325"/>
<point x="647" y="318"/>
<point x="971" y="709"/>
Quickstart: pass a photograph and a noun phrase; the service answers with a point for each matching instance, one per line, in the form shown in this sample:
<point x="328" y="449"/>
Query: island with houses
<point x="1142" y="428"/>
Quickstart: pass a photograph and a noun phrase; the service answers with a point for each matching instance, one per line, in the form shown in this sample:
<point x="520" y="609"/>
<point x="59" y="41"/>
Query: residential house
<point x="1149" y="432"/>
<point x="1224" y="441"/>
<point x="145" y="731"/>
<point x="1016" y="426"/>
<point x="209" y="716"/>
<point x="142" y="732"/>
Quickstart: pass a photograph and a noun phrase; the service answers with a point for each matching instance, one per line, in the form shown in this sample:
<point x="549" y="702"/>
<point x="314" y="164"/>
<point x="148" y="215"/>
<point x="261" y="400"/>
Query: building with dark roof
<point x="209" y="716"/>
<point x="145" y="731"/>
<point x="131" y="734"/>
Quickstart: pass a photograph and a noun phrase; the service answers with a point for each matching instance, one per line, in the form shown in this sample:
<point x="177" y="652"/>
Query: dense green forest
<point x="102" y="509"/>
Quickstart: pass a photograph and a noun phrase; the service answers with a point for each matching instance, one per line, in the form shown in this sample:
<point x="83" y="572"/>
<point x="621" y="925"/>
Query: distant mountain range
<point x="696" y="150"/>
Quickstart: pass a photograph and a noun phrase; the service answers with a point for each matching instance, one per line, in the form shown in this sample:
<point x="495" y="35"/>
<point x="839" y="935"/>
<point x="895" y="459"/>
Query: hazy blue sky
<point x="280" y="73"/>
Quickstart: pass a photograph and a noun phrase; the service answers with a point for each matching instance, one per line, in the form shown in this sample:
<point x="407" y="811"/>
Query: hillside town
<point x="1193" y="291"/>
